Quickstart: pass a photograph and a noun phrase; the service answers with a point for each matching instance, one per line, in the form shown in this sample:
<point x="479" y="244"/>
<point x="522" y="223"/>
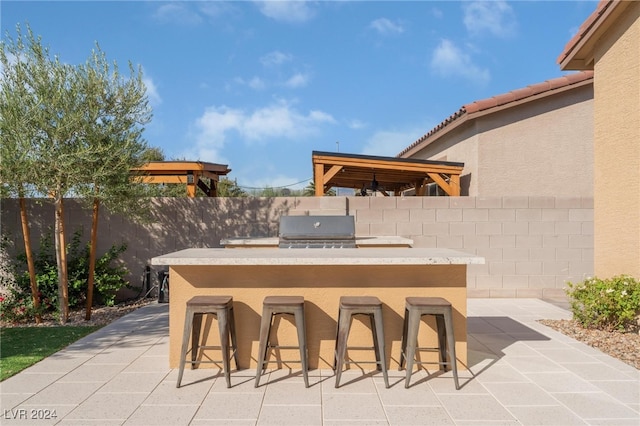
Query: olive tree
<point x="83" y="134"/>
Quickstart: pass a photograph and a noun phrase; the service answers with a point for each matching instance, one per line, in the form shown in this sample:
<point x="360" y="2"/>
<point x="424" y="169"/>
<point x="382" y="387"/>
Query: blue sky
<point x="260" y="85"/>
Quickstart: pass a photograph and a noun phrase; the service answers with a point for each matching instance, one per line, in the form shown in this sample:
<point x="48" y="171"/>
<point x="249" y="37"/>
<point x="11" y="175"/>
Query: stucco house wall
<point x="534" y="147"/>
<point x="609" y="43"/>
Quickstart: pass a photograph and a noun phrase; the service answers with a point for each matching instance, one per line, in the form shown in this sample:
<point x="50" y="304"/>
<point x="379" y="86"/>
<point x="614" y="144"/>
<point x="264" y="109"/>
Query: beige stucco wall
<point x="617" y="147"/>
<point x="542" y="148"/>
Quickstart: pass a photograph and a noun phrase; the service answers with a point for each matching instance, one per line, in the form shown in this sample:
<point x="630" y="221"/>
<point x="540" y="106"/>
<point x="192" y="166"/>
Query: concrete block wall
<point x="532" y="245"/>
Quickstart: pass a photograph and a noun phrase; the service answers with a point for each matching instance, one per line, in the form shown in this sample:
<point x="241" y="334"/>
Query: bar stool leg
<point x="403" y="349"/>
<point x="411" y="343"/>
<point x="378" y="335"/>
<point x="234" y="339"/>
<point x="188" y="323"/>
<point x="344" y="324"/>
<point x="223" y="328"/>
<point x="265" y="329"/>
<point x="302" y="342"/>
<point x="451" y="345"/>
<point x="442" y="340"/>
<point x="195" y="338"/>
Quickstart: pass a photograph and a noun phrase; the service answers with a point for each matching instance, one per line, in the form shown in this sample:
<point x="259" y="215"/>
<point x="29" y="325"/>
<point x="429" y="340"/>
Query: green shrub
<point x="606" y="304"/>
<point x="16" y="304"/>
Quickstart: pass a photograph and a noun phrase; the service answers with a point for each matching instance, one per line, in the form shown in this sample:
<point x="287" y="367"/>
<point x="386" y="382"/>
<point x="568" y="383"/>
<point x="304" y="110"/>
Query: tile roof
<point x="502" y="101"/>
<point x="591" y="23"/>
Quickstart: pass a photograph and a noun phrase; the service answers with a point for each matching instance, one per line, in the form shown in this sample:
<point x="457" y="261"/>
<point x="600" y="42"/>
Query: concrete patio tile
<point x="355" y="423"/>
<point x="520" y="394"/>
<point x="63" y="394"/>
<point x="228" y="422"/>
<point x="625" y="391"/>
<point x="166" y="393"/>
<point x="293" y="415"/>
<point x="234" y="405"/>
<point x="12" y="400"/>
<point x="138" y="382"/>
<point x="596" y="405"/>
<point x="566" y="355"/>
<point x="397" y="395"/>
<point x="475" y="407"/>
<point x="57" y="364"/>
<point x="26" y="382"/>
<point x="556" y="415"/>
<point x="108" y="406"/>
<point x="561" y="382"/>
<point x="595" y="371"/>
<point x="500" y="372"/>
<point x="89" y="422"/>
<point x="292" y="394"/>
<point x="354" y="406"/>
<point x="418" y="416"/>
<point x="445" y="385"/>
<point x="149" y="364"/>
<point x="614" y="422"/>
<point x="350" y="382"/>
<point x="534" y="364"/>
<point x="116" y="356"/>
<point x="148" y="415"/>
<point x="93" y="373"/>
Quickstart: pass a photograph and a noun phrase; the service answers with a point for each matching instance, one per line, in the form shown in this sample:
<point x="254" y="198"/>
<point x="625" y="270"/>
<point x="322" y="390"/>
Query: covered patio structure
<point x="387" y="175"/>
<point x="190" y="173"/>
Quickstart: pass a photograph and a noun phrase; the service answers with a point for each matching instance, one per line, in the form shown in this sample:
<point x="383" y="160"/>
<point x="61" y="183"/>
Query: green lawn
<point x="21" y="347"/>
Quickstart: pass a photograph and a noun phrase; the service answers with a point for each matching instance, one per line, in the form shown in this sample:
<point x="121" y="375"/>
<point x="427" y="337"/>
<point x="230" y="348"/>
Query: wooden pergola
<point x="383" y="174"/>
<point x="184" y="172"/>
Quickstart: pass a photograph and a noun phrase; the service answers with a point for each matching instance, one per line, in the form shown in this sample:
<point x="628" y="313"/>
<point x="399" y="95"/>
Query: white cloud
<point x="278" y="121"/>
<point x="390" y="143"/>
<point x="177" y="12"/>
<point x="152" y="91"/>
<point x="385" y="26"/>
<point x="356" y="124"/>
<point x="287" y="11"/>
<point x="297" y="80"/>
<point x="495" y="17"/>
<point x="275" y="58"/>
<point x="449" y="60"/>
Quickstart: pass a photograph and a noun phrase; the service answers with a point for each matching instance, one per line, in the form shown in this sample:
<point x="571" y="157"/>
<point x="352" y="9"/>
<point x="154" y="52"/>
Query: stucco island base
<point x="321" y="276"/>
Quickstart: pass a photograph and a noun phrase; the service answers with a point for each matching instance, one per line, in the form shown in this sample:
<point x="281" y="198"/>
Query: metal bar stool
<point x="282" y="305"/>
<point x="220" y="307"/>
<point x="415" y="308"/>
<point x="360" y="305"/>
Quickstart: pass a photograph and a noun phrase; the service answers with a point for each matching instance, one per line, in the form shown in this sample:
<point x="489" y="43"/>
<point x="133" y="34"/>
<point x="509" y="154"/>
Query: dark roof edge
<point x="380" y="158"/>
<point x="499" y="102"/>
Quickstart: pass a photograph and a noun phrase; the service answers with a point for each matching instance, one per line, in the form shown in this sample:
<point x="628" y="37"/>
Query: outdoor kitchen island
<point x="321" y="276"/>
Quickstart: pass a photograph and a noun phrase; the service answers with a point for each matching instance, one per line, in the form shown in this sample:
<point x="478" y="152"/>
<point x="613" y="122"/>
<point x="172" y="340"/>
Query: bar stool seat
<point x="220" y="307"/>
<point x="282" y="305"/>
<point x="415" y="308"/>
<point x="360" y="305"/>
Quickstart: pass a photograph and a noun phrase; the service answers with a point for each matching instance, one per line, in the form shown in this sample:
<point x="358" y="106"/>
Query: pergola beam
<point x="391" y="174"/>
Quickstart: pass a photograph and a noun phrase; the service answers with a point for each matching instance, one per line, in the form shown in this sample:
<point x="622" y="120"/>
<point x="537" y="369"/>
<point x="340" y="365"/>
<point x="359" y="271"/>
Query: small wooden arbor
<point x="384" y="174"/>
<point x="185" y="172"/>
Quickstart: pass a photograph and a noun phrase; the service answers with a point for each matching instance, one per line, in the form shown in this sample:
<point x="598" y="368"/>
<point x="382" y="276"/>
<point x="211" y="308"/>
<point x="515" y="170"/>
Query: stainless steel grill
<point x="317" y="232"/>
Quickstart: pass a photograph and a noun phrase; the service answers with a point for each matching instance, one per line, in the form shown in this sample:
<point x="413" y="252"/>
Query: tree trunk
<point x="61" y="259"/>
<point x="92" y="257"/>
<point x="35" y="294"/>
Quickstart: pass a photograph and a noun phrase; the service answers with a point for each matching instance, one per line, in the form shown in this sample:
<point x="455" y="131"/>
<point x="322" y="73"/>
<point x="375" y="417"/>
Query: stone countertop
<point x="360" y="241"/>
<point x="319" y="256"/>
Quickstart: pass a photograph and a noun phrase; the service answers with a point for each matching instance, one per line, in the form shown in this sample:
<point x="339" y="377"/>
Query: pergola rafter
<point x="389" y="174"/>
<point x="189" y="173"/>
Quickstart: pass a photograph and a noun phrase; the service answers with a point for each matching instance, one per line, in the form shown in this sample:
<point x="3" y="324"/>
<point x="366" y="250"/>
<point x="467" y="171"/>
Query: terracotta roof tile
<point x="483" y="105"/>
<point x="584" y="29"/>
